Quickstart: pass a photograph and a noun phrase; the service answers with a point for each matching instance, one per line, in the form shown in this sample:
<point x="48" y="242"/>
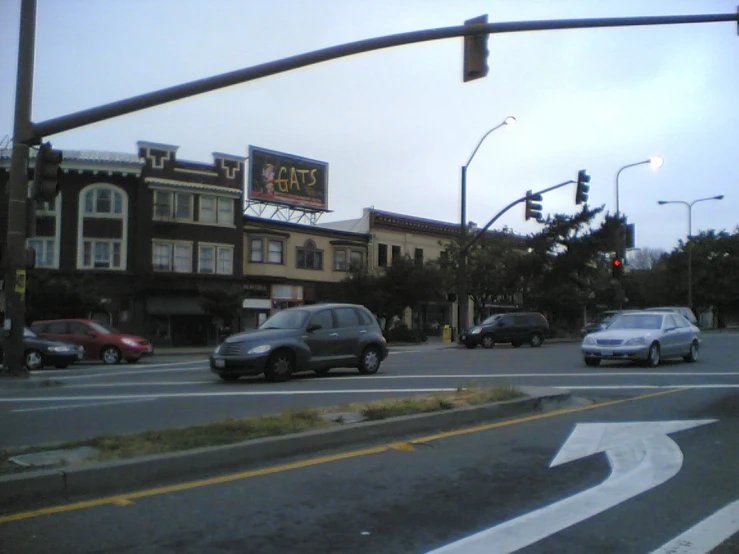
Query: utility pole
<point x="15" y="276"/>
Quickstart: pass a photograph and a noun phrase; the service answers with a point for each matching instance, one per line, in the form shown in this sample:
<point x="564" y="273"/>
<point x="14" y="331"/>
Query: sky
<point x="395" y="126"/>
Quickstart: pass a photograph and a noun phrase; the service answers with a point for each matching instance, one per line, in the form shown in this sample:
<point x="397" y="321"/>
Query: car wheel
<point x="516" y="344"/>
<point x="653" y="355"/>
<point x="280" y="366"/>
<point x="33" y="360"/>
<point x="536" y="340"/>
<point x="692" y="356"/>
<point x="488" y="341"/>
<point x="61" y="366"/>
<point x="322" y="372"/>
<point x="369" y="363"/>
<point x="111" y="355"/>
<point x="228" y="377"/>
<point x="592" y="362"/>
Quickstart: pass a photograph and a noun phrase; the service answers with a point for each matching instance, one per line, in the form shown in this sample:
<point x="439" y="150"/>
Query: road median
<point x="122" y="475"/>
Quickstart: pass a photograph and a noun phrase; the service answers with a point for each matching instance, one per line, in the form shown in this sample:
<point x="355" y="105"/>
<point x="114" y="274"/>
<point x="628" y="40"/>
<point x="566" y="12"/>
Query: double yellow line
<point x="126" y="499"/>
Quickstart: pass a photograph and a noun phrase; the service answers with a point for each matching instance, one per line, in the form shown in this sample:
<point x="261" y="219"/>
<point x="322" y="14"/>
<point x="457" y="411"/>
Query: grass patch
<point x="290" y="421"/>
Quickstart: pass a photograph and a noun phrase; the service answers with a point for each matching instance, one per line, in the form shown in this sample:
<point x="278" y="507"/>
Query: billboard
<point x="279" y="178"/>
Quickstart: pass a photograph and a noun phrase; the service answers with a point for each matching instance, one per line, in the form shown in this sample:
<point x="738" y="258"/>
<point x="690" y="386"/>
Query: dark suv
<point x="516" y="328"/>
<point x="316" y="338"/>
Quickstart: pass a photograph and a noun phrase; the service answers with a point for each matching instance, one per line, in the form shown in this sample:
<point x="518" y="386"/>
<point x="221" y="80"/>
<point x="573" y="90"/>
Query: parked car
<point x="100" y="341"/>
<point x="601" y="322"/>
<point x="516" y="328"/>
<point x="686" y="312"/>
<point x="38" y="352"/>
<point x="647" y="337"/>
<point x="317" y="338"/>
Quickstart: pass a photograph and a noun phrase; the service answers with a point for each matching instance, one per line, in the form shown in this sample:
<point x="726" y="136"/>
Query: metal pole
<point x="15" y="276"/>
<point x="690" y="255"/>
<point x="462" y="295"/>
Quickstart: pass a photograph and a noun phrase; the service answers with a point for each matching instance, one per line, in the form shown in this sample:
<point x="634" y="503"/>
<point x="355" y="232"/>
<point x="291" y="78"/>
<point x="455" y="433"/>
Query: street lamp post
<point x="656" y="162"/>
<point x="462" y="296"/>
<point x="690" y="236"/>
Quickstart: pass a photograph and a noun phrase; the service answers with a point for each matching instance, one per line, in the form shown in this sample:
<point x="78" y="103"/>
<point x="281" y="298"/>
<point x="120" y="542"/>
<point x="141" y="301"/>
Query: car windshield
<point x="288" y="319"/>
<point x="491" y="319"/>
<point x="27" y="333"/>
<point x="637" y="321"/>
<point x="103" y="329"/>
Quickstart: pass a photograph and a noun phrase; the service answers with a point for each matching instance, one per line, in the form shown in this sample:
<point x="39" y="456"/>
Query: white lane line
<point x="706" y="535"/>
<point x="204" y="365"/>
<point x="144" y="384"/>
<point x="509" y="375"/>
<point x="86" y="405"/>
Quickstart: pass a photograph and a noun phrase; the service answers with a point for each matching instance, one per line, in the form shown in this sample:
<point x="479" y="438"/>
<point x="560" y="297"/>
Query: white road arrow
<point x="642" y="457"/>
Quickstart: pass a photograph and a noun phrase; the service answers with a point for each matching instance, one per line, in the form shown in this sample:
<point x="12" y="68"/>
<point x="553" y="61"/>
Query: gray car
<point x="645" y="337"/>
<point x="315" y="338"/>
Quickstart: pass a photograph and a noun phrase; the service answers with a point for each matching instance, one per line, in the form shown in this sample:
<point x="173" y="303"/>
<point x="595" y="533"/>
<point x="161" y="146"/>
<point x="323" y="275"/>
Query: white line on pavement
<point x="86" y="405"/>
<point x="581" y="374"/>
<point x="144" y="384"/>
<point x="148" y="370"/>
<point x="706" y="535"/>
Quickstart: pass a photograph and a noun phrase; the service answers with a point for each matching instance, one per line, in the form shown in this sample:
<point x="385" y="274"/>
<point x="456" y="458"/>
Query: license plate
<point x="606" y="352"/>
<point x="220" y="363"/>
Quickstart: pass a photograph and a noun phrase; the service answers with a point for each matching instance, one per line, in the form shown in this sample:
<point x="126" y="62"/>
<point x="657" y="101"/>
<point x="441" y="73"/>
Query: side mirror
<point x="314" y="327"/>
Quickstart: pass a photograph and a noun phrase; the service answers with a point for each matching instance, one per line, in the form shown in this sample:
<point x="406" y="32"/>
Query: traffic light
<point x="46" y="175"/>
<point x="475" y="52"/>
<point x="581" y="195"/>
<point x="617" y="266"/>
<point x="533" y="208"/>
<point x="630" y="235"/>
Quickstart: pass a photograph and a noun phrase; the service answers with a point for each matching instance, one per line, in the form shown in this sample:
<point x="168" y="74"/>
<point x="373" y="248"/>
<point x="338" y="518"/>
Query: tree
<point x="56" y="297"/>
<point x="221" y="301"/>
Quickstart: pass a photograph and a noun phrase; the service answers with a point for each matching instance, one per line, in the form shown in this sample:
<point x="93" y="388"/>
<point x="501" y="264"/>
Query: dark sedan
<point x="38" y="352"/>
<point x="316" y="338"/>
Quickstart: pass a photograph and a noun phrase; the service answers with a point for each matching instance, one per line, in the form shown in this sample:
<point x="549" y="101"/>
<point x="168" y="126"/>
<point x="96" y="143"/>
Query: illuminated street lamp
<point x="655" y="162"/>
<point x="690" y="235"/>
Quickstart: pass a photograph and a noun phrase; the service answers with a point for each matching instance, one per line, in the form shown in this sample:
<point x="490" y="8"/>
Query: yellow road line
<point x="123" y="499"/>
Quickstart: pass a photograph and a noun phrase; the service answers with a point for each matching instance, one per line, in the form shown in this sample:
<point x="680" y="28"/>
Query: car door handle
<point x="334" y="335"/>
<point x="363" y="331"/>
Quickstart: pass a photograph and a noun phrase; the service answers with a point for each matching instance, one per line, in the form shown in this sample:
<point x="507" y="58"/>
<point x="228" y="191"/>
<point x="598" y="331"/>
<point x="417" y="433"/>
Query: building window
<point x="396" y="253"/>
<point x="309" y="257"/>
<point x="275" y="249"/>
<point x="256" y="290"/>
<point x="256" y="251"/>
<point x="101" y="254"/>
<point x="177" y="205"/>
<point x="213" y="258"/>
<point x="418" y="256"/>
<point x="340" y="260"/>
<point x="382" y="255"/>
<point x="172" y="256"/>
<point x="45" y="249"/>
<point x="103" y="201"/>
<point x="355" y="259"/>
<point x="216" y="210"/>
<point x="444" y="259"/>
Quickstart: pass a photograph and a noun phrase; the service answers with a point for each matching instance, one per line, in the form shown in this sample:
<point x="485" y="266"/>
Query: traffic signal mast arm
<point x="482" y="231"/>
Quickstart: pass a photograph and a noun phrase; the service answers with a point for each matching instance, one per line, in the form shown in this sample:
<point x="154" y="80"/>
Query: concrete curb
<point x="117" y="477"/>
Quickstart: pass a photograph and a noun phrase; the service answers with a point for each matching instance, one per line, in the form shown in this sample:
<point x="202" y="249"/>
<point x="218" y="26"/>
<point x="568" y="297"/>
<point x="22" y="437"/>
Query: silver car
<point x="645" y="337"/>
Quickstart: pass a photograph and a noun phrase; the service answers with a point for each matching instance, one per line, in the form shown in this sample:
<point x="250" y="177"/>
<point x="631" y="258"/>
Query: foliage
<point x="54" y="296"/>
<point x="221" y="301"/>
<point x="401" y="333"/>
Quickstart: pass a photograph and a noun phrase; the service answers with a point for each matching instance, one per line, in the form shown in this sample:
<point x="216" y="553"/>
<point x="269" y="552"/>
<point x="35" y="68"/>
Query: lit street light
<point x="462" y="300"/>
<point x="690" y="235"/>
<point x="655" y="162"/>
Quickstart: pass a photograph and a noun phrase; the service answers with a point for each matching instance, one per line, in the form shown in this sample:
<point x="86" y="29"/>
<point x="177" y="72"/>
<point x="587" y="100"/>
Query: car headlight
<point x="60" y="349"/>
<point x="129" y="342"/>
<point x="475" y="330"/>
<point x="259" y="349"/>
<point x="588" y="340"/>
<point x="636" y="341"/>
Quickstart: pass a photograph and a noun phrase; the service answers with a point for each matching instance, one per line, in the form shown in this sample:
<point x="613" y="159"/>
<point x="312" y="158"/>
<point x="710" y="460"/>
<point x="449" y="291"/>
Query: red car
<point x="100" y="341"/>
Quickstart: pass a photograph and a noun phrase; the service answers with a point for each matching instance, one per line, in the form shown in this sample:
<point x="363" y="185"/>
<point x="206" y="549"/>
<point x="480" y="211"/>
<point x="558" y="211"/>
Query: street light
<point x="462" y="315"/>
<point x="655" y="161"/>
<point x="690" y="235"/>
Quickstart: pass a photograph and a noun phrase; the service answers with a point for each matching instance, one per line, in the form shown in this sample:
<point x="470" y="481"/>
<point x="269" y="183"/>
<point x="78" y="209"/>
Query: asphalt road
<point x="430" y="495"/>
<point x="159" y="393"/>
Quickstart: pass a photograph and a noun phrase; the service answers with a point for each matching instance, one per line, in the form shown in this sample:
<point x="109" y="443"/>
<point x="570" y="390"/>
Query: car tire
<point x="322" y="372"/>
<point x="110" y="355"/>
<point x="370" y="360"/>
<point x="488" y="341"/>
<point x="653" y="356"/>
<point x="536" y="340"/>
<point x="61" y="366"/>
<point x="228" y="377"/>
<point x="692" y="356"/>
<point x="280" y="366"/>
<point x="516" y="344"/>
<point x="592" y="362"/>
<point x="33" y="359"/>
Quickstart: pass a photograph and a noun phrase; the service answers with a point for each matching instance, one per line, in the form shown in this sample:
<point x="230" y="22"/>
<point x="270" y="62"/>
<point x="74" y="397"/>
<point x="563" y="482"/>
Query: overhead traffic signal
<point x="617" y="267"/>
<point x="581" y="195"/>
<point x="533" y="207"/>
<point x="475" y="52"/>
<point x="46" y="175"/>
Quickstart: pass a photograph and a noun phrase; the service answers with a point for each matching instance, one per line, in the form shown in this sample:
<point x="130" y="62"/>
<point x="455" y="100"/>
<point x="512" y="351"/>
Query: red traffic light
<point x="617" y="263"/>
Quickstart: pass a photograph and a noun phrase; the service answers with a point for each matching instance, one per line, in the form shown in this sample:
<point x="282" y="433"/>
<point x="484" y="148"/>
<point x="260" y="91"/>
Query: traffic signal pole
<point x="15" y="274"/>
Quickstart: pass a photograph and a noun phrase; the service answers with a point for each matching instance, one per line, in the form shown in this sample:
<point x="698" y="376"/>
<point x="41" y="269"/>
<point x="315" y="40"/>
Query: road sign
<point x="642" y="457"/>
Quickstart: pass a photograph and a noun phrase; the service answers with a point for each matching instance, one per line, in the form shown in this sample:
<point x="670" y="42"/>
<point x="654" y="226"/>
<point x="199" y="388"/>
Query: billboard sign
<point x="279" y="178"/>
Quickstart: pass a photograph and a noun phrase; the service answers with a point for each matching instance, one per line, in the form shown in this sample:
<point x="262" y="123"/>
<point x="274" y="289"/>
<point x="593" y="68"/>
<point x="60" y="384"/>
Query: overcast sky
<point x="396" y="125"/>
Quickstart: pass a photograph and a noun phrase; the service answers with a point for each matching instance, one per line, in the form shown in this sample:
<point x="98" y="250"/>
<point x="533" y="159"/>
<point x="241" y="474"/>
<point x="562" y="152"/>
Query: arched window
<point x="309" y="256"/>
<point x="105" y="248"/>
<point x="103" y="201"/>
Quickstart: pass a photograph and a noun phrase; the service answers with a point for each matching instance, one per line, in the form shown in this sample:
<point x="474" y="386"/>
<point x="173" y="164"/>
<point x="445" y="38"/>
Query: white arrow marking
<point x="706" y="535"/>
<point x="642" y="457"/>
